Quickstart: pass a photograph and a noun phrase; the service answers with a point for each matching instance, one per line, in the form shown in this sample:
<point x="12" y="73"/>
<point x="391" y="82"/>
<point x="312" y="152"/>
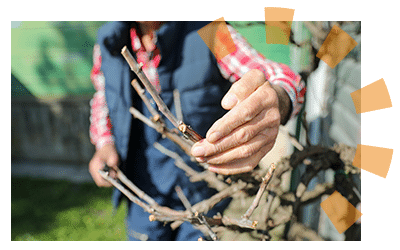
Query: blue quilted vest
<point x="187" y="65"/>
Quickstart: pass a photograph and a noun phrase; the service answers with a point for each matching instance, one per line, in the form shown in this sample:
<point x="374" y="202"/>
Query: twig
<point x="138" y="115"/>
<point x="141" y="93"/>
<point x="189" y="132"/>
<point x="199" y="216"/>
<point x="292" y="139"/>
<point x="185" y="145"/>
<point x="205" y="205"/>
<point x="179" y="162"/>
<point x="178" y="105"/>
<point x="261" y="190"/>
<point x="137" y="69"/>
<point x="135" y="189"/>
<point x="204" y="222"/>
<point x="155" y="209"/>
<point x="126" y="192"/>
<point x="309" y="196"/>
<point x="267" y="208"/>
<point x="207" y="176"/>
<point x="183" y="199"/>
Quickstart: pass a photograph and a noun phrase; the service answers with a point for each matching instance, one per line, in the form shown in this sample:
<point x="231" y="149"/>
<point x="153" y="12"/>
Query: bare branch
<point x="189" y="132"/>
<point x="178" y="105"/>
<point x="309" y="196"/>
<point x="207" y="176"/>
<point x="183" y="199"/>
<point x="261" y="190"/>
<point x="135" y="67"/>
<point x="185" y="145"/>
<point x="138" y="115"/>
<point x="126" y="192"/>
<point x="135" y="189"/>
<point x="146" y="101"/>
<point x="267" y="208"/>
<point x="292" y="139"/>
<point x="205" y="205"/>
<point x="199" y="216"/>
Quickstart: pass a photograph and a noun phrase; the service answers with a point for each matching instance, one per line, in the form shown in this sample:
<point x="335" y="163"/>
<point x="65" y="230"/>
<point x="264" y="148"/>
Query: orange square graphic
<point x="371" y="97"/>
<point x="336" y="46"/>
<point x="341" y="212"/>
<point x="278" y="23"/>
<point x="277" y="32"/>
<point x="218" y="38"/>
<point x="375" y="160"/>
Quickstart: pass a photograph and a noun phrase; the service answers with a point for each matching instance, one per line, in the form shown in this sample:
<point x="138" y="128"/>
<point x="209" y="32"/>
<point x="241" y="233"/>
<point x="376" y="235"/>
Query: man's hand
<point x="242" y="137"/>
<point x="107" y="155"/>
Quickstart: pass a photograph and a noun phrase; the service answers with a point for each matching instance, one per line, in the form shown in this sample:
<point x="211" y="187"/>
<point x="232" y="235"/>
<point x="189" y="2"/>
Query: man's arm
<point x="100" y="126"/>
<point x="245" y="58"/>
<point x="263" y="96"/>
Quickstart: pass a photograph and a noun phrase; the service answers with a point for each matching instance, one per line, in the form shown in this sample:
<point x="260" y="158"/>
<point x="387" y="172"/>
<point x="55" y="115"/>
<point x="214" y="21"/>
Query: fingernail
<point x="198" y="151"/>
<point x="229" y="101"/>
<point x="214" y="136"/>
<point x="201" y="159"/>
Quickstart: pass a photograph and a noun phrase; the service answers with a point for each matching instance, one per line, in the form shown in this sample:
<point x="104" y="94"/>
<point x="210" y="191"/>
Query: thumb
<point x="243" y="88"/>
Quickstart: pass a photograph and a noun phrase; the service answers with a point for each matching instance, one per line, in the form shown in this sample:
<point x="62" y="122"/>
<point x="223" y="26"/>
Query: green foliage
<point x="46" y="210"/>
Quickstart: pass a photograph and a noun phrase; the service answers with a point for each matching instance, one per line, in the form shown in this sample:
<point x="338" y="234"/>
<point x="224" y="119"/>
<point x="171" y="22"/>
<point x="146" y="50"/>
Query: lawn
<point x="48" y="210"/>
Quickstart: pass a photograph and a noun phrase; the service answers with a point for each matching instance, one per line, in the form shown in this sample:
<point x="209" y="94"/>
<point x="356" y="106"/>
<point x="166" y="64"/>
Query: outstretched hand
<point x="243" y="136"/>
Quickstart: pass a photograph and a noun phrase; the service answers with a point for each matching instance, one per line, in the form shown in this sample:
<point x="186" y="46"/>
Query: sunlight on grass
<point x="61" y="211"/>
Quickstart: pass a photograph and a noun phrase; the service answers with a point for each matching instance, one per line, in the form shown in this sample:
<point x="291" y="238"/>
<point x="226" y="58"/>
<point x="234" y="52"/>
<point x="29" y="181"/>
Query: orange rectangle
<point x="278" y="14"/>
<point x="336" y="46"/>
<point x="218" y="39"/>
<point x="341" y="212"/>
<point x="371" y="97"/>
<point x="277" y="32"/>
<point x="375" y="160"/>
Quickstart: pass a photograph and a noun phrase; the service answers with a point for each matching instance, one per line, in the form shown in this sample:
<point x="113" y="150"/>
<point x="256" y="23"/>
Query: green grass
<point x="47" y="210"/>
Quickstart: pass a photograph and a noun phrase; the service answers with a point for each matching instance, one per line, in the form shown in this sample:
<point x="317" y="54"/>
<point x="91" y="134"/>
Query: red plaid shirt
<point x="232" y="67"/>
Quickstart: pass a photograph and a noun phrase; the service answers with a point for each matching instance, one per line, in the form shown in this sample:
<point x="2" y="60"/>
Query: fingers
<point x="242" y="151"/>
<point x="263" y="98"/>
<point x="261" y="123"/>
<point x="94" y="166"/>
<point x="241" y="166"/>
<point x="238" y="141"/>
<point x="107" y="155"/>
<point x="241" y="89"/>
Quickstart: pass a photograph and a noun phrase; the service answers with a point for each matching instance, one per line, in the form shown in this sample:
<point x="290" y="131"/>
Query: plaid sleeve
<point x="100" y="124"/>
<point x="245" y="58"/>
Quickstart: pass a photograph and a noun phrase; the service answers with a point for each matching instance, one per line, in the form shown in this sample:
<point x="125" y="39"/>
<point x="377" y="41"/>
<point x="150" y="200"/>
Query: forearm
<point x="100" y="125"/>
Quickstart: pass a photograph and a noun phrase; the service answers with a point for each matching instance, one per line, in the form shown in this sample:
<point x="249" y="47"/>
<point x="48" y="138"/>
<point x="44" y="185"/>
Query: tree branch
<point x="137" y="69"/>
<point x="260" y="191"/>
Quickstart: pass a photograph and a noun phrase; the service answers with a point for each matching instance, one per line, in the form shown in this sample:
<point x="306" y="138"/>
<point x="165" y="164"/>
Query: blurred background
<point x="52" y="194"/>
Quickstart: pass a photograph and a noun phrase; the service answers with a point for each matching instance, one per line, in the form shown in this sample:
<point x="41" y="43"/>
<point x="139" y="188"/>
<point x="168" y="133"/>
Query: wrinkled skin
<point x="243" y="136"/>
